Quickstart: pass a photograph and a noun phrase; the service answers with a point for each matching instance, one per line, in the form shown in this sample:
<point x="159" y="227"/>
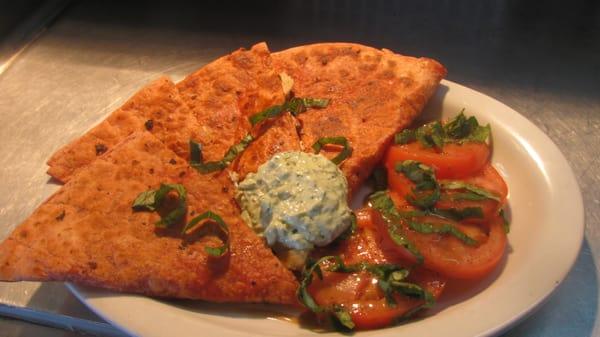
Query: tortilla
<point x="278" y="135"/>
<point x="374" y="94"/>
<point x="157" y="108"/>
<point x="223" y="94"/>
<point x="87" y="233"/>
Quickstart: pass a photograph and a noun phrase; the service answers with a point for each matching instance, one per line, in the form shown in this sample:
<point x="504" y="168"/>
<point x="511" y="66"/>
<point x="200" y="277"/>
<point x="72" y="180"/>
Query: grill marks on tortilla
<point x="102" y="243"/>
<point x="157" y="108"/>
<point x="374" y="93"/>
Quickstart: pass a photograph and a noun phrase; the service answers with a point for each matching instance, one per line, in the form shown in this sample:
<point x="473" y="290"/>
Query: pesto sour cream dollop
<point x="297" y="200"/>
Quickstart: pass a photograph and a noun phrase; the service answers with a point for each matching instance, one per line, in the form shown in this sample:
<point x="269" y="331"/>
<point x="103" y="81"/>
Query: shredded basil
<point x="459" y="185"/>
<point x="444" y="229"/>
<point x="343" y="141"/>
<point x="405" y="136"/>
<point x="152" y="200"/>
<point x="458" y="214"/>
<point x="382" y="202"/>
<point x="295" y="106"/>
<point x="196" y="160"/>
<point x="427" y="190"/>
<point x="305" y="298"/>
<point x="391" y="279"/>
<point x="460" y="129"/>
<point x="199" y="222"/>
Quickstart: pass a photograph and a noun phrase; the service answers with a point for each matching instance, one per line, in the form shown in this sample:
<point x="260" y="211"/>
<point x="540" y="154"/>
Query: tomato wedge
<point x="454" y="161"/>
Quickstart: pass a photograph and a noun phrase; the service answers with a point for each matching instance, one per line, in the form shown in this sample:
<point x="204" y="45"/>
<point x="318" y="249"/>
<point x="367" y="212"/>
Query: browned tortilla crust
<point x="87" y="233"/>
<point x="223" y="94"/>
<point x="158" y="102"/>
<point x="278" y="135"/>
<point x="374" y="94"/>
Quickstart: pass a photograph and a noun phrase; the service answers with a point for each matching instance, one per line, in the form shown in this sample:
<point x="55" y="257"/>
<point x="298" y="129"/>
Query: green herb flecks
<point x="459" y="185"/>
<point x="382" y="202"/>
<point x="458" y="214"/>
<point x="204" y="219"/>
<point x="153" y="200"/>
<point x="391" y="279"/>
<point x="295" y="106"/>
<point x="342" y="141"/>
<point x="460" y="129"/>
<point x="444" y="229"/>
<point x="427" y="190"/>
<point x="338" y="313"/>
<point x="197" y="162"/>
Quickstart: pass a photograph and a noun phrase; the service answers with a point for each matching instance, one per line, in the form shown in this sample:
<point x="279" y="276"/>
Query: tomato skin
<point x="454" y="259"/>
<point x="454" y="161"/>
<point x="357" y="292"/>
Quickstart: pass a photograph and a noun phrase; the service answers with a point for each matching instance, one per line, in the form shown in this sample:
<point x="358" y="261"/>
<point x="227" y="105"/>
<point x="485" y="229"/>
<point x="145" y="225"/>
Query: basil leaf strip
<point x="405" y="136"/>
<point x="295" y="106"/>
<point x="460" y="129"/>
<point x="382" y="202"/>
<point x="459" y="185"/>
<point x="391" y="279"/>
<point x="458" y="214"/>
<point x="305" y="298"/>
<point x="424" y="179"/>
<point x="195" y="223"/>
<point x="345" y="153"/>
<point x="196" y="160"/>
<point x="152" y="200"/>
<point x="445" y="229"/>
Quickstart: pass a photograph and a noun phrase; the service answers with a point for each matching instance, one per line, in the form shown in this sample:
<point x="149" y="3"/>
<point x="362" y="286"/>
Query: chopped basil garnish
<point x="203" y="219"/>
<point x="295" y="106"/>
<point x="391" y="279"/>
<point x="459" y="185"/>
<point x="427" y="190"/>
<point x="444" y="229"/>
<point x="505" y="222"/>
<point x="458" y="130"/>
<point x="152" y="200"/>
<point x="382" y="202"/>
<point x="305" y="298"/>
<point x="458" y="214"/>
<point x="345" y="153"/>
<point x="431" y="135"/>
<point x="405" y="136"/>
<point x="196" y="160"/>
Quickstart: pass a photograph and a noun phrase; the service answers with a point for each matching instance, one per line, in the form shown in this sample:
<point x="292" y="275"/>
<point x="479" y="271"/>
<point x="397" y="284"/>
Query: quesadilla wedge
<point x="88" y="233"/>
<point x="157" y="108"/>
<point x="373" y="94"/>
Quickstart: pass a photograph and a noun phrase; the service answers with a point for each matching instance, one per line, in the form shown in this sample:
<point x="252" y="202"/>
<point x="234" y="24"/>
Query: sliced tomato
<point x="453" y="258"/>
<point x="454" y="161"/>
<point x="359" y="293"/>
<point x="489" y="179"/>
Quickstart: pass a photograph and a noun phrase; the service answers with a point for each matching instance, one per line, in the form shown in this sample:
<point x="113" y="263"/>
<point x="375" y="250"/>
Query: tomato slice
<point x="453" y="258"/>
<point x="454" y="161"/>
<point x="358" y="293"/>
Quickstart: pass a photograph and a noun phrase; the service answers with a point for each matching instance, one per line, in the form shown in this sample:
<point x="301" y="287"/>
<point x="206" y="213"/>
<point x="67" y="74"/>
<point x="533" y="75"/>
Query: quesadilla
<point x="88" y="233"/>
<point x="373" y="94"/>
<point x="157" y="108"/>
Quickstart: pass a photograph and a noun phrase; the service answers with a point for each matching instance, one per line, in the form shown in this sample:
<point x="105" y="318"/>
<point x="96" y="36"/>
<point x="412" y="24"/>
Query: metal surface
<point x="542" y="59"/>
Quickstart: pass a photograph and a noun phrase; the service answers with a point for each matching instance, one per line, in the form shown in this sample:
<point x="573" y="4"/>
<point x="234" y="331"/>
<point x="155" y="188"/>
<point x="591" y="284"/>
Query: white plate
<point x="545" y="238"/>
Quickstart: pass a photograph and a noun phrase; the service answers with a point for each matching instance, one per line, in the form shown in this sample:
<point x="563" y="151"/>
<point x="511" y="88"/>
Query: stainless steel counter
<point x="542" y="59"/>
